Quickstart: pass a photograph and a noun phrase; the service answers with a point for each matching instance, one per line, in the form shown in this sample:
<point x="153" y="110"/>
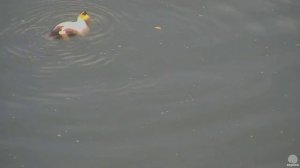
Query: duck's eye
<point x="84" y="13"/>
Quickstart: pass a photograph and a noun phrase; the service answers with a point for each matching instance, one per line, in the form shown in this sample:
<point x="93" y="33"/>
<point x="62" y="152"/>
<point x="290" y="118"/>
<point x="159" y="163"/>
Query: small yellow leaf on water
<point x="157" y="27"/>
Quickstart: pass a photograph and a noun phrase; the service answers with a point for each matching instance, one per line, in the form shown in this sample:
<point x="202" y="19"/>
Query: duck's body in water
<point x="65" y="30"/>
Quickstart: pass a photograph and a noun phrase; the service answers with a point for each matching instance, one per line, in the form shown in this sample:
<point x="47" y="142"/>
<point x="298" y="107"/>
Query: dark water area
<point x="179" y="84"/>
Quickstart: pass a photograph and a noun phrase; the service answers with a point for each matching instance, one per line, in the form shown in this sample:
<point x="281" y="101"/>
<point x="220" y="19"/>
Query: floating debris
<point x="158" y="28"/>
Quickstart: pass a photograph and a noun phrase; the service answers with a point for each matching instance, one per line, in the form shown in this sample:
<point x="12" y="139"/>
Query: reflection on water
<point x="216" y="85"/>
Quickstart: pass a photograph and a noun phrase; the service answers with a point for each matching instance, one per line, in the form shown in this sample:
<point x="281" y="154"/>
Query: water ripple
<point x="34" y="55"/>
<point x="29" y="35"/>
<point x="92" y="64"/>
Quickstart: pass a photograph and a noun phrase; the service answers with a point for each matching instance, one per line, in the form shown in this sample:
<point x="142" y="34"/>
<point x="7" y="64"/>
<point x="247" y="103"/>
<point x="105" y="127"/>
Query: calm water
<point x="217" y="86"/>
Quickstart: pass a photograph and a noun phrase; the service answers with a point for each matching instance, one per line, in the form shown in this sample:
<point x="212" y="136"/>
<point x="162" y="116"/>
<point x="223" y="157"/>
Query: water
<point x="216" y="86"/>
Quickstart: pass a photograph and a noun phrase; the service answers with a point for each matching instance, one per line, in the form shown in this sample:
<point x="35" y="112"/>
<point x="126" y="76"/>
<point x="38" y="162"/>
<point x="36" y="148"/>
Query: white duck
<point x="65" y="30"/>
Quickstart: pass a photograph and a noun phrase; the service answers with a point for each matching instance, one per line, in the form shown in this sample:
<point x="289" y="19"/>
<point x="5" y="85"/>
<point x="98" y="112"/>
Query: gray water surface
<point x="216" y="86"/>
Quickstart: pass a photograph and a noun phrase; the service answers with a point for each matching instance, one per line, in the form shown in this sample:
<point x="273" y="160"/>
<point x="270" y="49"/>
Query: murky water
<point x="196" y="83"/>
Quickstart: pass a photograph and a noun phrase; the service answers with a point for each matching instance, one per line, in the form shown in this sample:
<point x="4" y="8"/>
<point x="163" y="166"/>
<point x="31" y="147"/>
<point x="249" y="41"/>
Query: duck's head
<point x="84" y="16"/>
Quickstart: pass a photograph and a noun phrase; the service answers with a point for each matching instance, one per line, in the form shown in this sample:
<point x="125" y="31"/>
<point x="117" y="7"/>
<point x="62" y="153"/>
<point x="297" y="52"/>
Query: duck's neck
<point x="80" y="20"/>
<point x="83" y="21"/>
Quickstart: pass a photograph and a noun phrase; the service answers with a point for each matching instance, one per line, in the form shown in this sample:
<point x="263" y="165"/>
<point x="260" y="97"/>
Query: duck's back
<point x="79" y="27"/>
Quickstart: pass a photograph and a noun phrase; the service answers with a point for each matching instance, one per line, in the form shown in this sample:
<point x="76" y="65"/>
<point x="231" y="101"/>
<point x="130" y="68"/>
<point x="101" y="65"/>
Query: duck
<point x="65" y="30"/>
